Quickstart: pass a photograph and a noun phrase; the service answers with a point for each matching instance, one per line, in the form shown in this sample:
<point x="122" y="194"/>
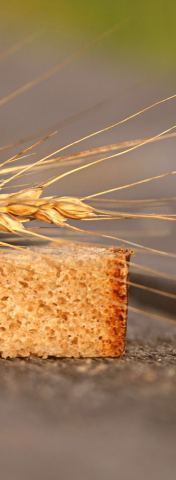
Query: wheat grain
<point x="27" y="205"/>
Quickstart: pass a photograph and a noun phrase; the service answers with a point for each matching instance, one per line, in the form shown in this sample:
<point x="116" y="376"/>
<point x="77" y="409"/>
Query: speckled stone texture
<point x="90" y="419"/>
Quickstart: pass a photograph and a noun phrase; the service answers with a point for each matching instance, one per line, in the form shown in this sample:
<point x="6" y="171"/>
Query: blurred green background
<point x="145" y="29"/>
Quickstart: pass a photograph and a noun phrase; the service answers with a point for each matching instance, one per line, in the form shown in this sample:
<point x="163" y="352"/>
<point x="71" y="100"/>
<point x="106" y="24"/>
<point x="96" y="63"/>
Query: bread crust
<point x="118" y="320"/>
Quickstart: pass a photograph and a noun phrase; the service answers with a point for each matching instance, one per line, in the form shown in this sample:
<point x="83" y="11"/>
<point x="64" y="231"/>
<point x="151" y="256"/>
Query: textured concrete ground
<point x="92" y="419"/>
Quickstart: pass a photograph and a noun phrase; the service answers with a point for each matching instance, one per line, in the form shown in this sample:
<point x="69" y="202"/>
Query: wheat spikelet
<point x="28" y="205"/>
<point x="15" y="209"/>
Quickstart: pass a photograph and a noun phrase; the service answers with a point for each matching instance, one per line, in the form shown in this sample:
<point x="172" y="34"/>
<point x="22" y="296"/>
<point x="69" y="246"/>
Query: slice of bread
<point x="69" y="301"/>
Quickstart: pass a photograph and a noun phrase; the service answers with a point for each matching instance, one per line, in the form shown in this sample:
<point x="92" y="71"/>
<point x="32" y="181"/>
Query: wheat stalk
<point x="15" y="209"/>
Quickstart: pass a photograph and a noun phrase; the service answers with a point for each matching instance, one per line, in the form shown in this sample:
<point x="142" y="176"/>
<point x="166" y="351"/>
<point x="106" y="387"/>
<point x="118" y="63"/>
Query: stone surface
<point x="91" y="419"/>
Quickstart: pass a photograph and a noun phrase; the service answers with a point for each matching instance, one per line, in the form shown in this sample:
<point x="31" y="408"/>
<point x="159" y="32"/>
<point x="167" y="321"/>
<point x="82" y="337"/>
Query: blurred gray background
<point x="113" y="418"/>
